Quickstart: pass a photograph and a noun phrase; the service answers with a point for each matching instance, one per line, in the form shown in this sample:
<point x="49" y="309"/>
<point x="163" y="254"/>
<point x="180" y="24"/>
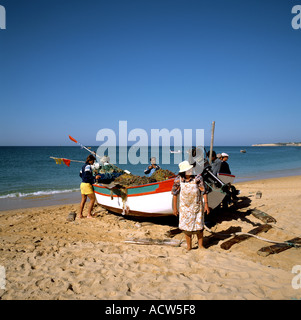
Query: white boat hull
<point x="154" y="199"/>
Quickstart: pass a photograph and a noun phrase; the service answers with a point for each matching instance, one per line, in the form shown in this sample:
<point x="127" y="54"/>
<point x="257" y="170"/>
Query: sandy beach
<point x="47" y="257"/>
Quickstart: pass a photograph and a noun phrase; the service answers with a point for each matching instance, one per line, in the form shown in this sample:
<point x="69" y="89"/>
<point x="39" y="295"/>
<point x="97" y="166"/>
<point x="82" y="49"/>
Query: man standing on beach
<point x="224" y="167"/>
<point x="86" y="187"/>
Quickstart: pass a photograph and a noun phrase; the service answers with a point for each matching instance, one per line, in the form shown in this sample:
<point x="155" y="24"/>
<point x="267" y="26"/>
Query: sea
<point x="29" y="177"/>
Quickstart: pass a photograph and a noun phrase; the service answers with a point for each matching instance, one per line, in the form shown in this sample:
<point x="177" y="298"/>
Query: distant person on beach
<point x="191" y="190"/>
<point x="152" y="167"/>
<point x="215" y="164"/>
<point x="86" y="187"/>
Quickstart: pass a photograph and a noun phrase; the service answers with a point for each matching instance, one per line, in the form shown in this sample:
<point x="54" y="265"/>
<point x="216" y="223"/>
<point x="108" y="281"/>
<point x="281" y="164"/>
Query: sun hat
<point x="225" y="154"/>
<point x="184" y="166"/>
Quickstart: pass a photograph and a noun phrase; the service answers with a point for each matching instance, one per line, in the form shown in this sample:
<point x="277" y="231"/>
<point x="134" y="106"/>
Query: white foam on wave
<point x="37" y="193"/>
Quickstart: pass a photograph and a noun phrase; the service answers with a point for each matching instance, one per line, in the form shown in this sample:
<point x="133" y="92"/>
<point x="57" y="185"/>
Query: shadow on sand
<point x="216" y="216"/>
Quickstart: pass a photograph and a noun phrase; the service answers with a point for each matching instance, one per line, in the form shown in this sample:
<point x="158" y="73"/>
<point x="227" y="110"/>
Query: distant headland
<point x="278" y="144"/>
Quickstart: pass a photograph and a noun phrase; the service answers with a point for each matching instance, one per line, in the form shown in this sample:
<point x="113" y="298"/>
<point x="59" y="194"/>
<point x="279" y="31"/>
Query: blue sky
<point x="75" y="67"/>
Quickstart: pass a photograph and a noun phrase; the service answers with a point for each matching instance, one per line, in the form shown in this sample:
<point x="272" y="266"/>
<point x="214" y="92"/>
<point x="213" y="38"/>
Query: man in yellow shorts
<point x="86" y="187"/>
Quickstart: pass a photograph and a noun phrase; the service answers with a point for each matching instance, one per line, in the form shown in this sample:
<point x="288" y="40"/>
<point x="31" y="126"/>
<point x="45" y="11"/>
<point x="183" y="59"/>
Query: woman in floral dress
<point x="191" y="192"/>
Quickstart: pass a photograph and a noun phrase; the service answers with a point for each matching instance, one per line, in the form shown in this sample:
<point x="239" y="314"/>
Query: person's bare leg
<point x="82" y="205"/>
<point x="200" y="239"/>
<point x="91" y="205"/>
<point x="189" y="242"/>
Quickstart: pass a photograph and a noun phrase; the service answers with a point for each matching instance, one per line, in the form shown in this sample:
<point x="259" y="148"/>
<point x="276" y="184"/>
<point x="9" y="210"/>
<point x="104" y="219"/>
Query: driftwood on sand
<point x="279" y="247"/>
<point x="239" y="238"/>
<point x="149" y="241"/>
<point x="266" y="218"/>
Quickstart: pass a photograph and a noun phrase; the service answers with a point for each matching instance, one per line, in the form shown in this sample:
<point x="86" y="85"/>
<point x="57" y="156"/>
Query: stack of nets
<point x="161" y="175"/>
<point x="133" y="180"/>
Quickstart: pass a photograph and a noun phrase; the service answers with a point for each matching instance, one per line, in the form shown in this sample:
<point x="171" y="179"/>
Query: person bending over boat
<point x="152" y="167"/>
<point x="86" y="187"/>
<point x="191" y="190"/>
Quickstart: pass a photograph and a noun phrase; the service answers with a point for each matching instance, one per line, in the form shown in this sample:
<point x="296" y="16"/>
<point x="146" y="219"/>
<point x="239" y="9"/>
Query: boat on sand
<point x="153" y="199"/>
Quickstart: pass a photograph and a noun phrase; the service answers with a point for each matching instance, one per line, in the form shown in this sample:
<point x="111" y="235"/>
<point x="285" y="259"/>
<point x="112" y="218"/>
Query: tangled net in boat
<point x="133" y="180"/>
<point x="110" y="168"/>
<point x="161" y="175"/>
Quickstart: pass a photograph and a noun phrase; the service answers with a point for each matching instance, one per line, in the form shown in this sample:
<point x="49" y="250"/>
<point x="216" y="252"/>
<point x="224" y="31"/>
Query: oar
<point x="72" y="139"/>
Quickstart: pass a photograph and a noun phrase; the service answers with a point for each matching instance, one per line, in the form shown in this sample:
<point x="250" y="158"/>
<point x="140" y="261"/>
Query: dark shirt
<point x="86" y="174"/>
<point x="224" y="168"/>
<point x="147" y="170"/>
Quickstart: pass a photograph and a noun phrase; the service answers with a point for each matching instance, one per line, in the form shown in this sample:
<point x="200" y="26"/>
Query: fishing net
<point x="110" y="168"/>
<point x="161" y="175"/>
<point x="109" y="174"/>
<point x="134" y="180"/>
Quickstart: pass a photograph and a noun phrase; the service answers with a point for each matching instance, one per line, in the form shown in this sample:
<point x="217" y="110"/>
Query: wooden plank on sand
<point x="149" y="241"/>
<point x="266" y="218"/>
<point x="279" y="247"/>
<point x="239" y="238"/>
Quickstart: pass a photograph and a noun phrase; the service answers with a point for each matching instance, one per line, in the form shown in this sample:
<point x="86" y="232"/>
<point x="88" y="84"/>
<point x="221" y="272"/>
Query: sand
<point x="46" y="257"/>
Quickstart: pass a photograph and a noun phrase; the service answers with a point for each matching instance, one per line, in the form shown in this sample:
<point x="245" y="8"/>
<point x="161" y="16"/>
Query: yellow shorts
<point x="86" y="188"/>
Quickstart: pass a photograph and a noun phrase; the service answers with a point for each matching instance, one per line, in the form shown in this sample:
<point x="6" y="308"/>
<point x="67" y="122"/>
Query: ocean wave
<point x="37" y="193"/>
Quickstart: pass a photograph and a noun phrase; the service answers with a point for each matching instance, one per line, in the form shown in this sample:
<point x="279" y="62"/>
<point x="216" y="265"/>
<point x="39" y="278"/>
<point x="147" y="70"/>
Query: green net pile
<point x="110" y="168"/>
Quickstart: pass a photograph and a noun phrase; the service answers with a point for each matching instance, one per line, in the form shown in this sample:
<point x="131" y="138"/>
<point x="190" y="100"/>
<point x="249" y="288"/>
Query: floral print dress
<point x="191" y="209"/>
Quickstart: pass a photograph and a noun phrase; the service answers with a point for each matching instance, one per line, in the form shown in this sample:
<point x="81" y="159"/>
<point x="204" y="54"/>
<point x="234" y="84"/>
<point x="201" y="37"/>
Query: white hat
<point x="225" y="154"/>
<point x="184" y="166"/>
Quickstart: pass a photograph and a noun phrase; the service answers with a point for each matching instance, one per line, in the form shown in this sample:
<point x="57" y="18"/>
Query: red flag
<point x="67" y="162"/>
<point x="72" y="139"/>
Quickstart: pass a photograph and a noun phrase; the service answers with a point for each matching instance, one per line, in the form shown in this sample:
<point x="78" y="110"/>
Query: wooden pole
<point x="239" y="238"/>
<point x="211" y="144"/>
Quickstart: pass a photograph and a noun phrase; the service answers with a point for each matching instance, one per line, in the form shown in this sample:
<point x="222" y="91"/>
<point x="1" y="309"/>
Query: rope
<point x="257" y="237"/>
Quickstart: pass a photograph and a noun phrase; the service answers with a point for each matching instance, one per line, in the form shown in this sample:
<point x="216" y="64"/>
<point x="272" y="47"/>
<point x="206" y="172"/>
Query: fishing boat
<point x="175" y="151"/>
<point x="155" y="199"/>
<point x="243" y="151"/>
<point x="149" y="200"/>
